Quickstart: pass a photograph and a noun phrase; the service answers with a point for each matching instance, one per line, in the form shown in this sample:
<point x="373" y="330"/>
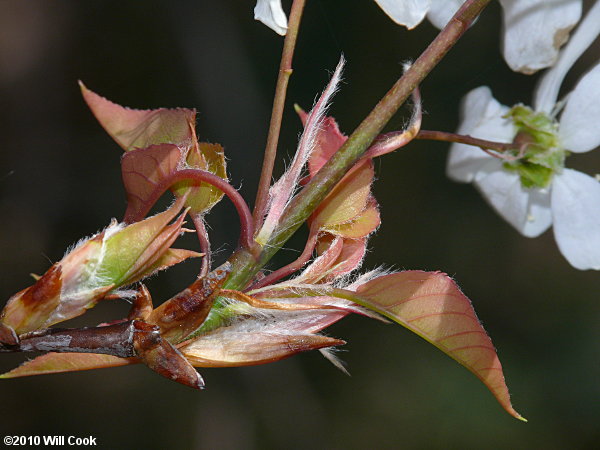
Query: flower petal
<point x="534" y="31"/>
<point x="528" y="210"/>
<point x="481" y="116"/>
<point x="579" y="128"/>
<point x="271" y="14"/>
<point x="409" y="13"/>
<point x="576" y="211"/>
<point x="441" y="11"/>
<point x="546" y="93"/>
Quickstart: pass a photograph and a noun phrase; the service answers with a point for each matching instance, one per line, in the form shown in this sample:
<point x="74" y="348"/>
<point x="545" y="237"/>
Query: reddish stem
<point x="196" y="177"/>
<point x="465" y="139"/>
<point x="204" y="244"/>
<point x="285" y="71"/>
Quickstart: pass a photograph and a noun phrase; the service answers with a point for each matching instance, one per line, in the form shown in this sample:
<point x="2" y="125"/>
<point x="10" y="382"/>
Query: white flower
<point x="271" y="14"/>
<point x="409" y="13"/>
<point x="534" y="30"/>
<point x="536" y="191"/>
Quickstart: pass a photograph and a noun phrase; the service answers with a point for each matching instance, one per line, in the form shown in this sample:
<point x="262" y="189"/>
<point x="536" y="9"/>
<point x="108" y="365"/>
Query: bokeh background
<point x="60" y="180"/>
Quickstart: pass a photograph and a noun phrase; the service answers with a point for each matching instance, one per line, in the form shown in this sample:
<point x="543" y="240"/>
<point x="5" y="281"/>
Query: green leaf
<point x="431" y="305"/>
<point x="131" y="253"/>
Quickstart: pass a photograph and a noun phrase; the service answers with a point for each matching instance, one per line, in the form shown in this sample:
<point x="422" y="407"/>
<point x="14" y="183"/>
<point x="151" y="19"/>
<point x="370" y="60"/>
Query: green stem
<point x="285" y="71"/>
<point x="245" y="267"/>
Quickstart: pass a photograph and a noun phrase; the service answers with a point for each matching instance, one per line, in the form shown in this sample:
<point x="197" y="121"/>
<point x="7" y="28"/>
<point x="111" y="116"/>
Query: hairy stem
<point x="285" y="71"/>
<point x="292" y="267"/>
<point x="245" y="267"/>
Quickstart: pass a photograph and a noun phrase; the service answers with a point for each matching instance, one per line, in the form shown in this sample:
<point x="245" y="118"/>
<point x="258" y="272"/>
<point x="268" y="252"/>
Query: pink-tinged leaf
<point x="143" y="171"/>
<point x="329" y="139"/>
<point x="30" y="308"/>
<point x="347" y="200"/>
<point x="431" y="305"/>
<point x="134" y="128"/>
<point x="363" y="225"/>
<point x="209" y="157"/>
<point x="263" y="339"/>
<point x="329" y="252"/>
<point x="66" y="362"/>
<point x="171" y="257"/>
<point x="337" y="256"/>
<point x="351" y="257"/>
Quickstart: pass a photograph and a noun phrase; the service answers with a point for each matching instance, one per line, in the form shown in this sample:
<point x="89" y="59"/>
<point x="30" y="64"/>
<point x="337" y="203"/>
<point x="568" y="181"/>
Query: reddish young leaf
<point x="143" y="170"/>
<point x="431" y="305"/>
<point x="30" y="308"/>
<point x="134" y="128"/>
<point x="328" y="141"/>
<point x="66" y="362"/>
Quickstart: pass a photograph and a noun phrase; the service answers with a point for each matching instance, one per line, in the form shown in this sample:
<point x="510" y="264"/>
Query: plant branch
<point x="285" y="71"/>
<point x="116" y="340"/>
<point x="466" y="139"/>
<point x="196" y="177"/>
<point x="315" y="191"/>
<point x="202" y="235"/>
<point x="291" y="267"/>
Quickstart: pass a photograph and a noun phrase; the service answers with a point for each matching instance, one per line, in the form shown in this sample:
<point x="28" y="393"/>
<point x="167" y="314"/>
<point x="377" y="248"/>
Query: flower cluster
<point x="531" y="188"/>
<point x="533" y="31"/>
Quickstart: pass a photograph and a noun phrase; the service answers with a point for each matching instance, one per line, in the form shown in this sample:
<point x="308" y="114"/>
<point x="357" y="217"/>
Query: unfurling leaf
<point x="118" y="256"/>
<point x="231" y="348"/>
<point x="143" y="170"/>
<point x="347" y="200"/>
<point x="158" y="142"/>
<point x="269" y="336"/>
<point x="135" y="128"/>
<point x="431" y="305"/>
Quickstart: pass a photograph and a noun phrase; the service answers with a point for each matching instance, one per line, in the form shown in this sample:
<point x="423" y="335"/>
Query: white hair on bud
<point x="329" y="354"/>
<point x="282" y="191"/>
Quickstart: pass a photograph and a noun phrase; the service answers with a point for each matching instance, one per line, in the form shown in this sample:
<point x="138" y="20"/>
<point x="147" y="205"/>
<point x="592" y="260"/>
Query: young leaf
<point x="347" y="200"/>
<point x="135" y="128"/>
<point x="209" y="157"/>
<point x="66" y="362"/>
<point x="431" y="305"/>
<point x="267" y="337"/>
<point x="144" y="170"/>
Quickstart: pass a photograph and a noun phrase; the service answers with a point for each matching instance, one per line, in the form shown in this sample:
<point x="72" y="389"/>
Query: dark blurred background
<point x="60" y="181"/>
